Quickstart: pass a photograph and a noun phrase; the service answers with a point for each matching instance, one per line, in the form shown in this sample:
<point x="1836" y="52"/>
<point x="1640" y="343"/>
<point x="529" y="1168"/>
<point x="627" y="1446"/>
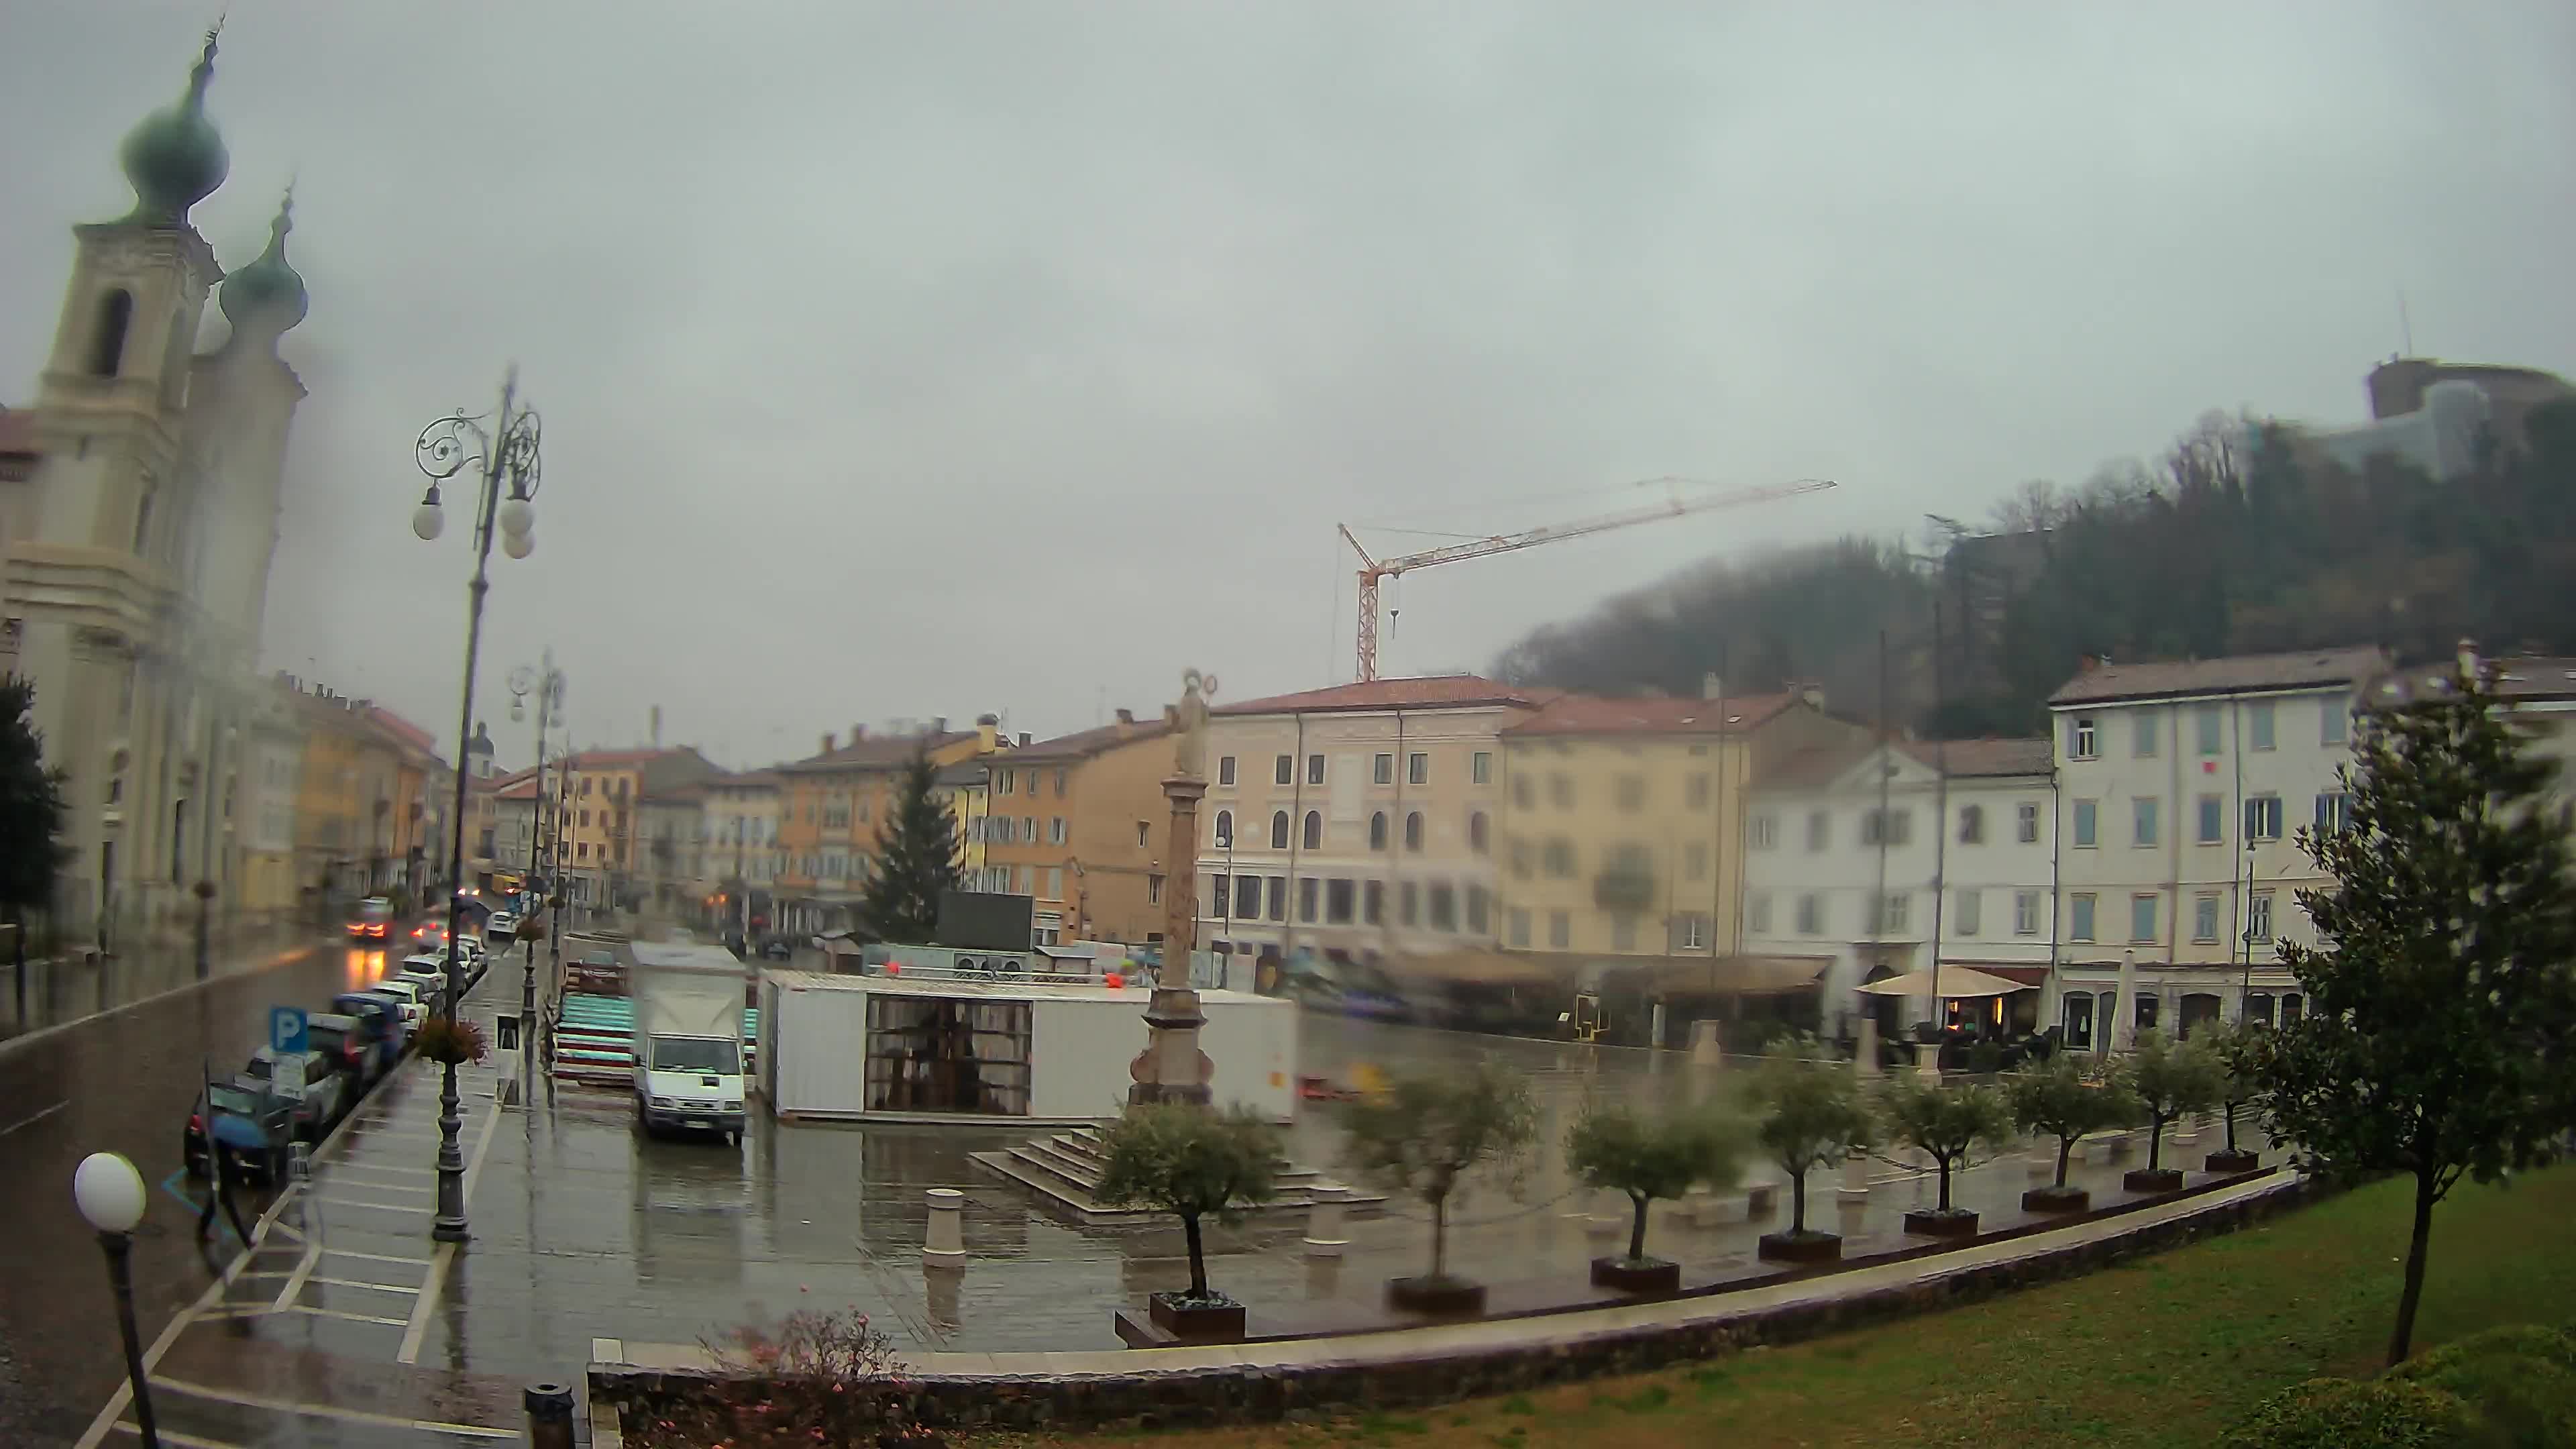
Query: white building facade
<point x="1885" y="858"/>
<point x="138" y="549"/>
<point x="2181" y="789"/>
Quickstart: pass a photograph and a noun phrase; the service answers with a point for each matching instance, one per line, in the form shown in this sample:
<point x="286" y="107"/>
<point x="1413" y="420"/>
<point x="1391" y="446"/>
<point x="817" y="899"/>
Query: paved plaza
<point x="349" y="1325"/>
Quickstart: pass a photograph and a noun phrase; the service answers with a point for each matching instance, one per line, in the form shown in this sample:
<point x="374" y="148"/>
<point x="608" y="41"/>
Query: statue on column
<point x="1189" y="745"/>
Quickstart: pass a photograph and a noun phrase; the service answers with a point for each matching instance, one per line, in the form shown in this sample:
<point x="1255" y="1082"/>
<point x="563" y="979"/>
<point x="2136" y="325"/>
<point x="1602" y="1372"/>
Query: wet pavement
<point x="67" y="988"/>
<point x="121" y="1082"/>
<point x="350" y="1326"/>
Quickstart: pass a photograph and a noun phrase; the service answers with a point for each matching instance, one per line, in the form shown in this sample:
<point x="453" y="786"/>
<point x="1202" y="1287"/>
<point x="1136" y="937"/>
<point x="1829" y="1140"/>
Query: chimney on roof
<point x="827" y="742"/>
<point x="858" y="732"/>
<point x="657" y="726"/>
<point x="939" y="724"/>
<point x="987" y="730"/>
<point x="1126" y="716"/>
<point x="2090" y="663"/>
<point x="1024" y="739"/>
<point x="1711" y="686"/>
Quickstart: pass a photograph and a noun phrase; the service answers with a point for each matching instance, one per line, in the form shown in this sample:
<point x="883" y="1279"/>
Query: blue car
<point x="244" y="1121"/>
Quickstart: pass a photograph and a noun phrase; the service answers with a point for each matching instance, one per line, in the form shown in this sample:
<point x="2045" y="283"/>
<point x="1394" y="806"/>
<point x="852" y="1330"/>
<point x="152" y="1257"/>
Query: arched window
<point x="1479" y="838"/>
<point x="1278" y="830"/>
<point x="107" y="344"/>
<point x="1413" y="831"/>
<point x="1224" y="828"/>
<point x="1377" y="831"/>
<point x="2079" y="1020"/>
<point x="1314" y="836"/>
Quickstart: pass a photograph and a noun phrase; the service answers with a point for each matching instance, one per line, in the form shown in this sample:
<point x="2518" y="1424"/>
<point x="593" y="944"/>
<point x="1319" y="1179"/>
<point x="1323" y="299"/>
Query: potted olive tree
<point x="1947" y="1123"/>
<point x="2240" y="1048"/>
<point x="1811" y="1116"/>
<point x="1614" y="1146"/>
<point x="2172" y="1078"/>
<point x="2060" y="1098"/>
<point x="1194" y="1164"/>
<point x="1420" y="1135"/>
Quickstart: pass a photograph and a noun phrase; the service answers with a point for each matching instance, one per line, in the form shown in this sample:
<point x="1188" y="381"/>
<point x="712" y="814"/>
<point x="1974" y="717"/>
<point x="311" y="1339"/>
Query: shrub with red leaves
<point x="817" y="1378"/>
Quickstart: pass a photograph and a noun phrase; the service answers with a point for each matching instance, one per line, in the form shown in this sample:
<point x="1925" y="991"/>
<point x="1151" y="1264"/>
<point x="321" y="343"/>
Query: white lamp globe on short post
<point x="109" y="1193"/>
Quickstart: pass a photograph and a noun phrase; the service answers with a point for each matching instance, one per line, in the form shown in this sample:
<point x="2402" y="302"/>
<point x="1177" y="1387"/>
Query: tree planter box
<point x="1934" y="1223"/>
<point x="2237" y="1160"/>
<point x="1197" y="1320"/>
<point x="1436" y="1295"/>
<point x="1637" y="1275"/>
<point x="1808" y="1247"/>
<point x="2056" y="1200"/>
<point x="2152" y="1179"/>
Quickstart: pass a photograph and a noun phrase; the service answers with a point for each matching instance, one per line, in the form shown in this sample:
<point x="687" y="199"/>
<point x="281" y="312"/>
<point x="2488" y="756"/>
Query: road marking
<point x="374" y="1257"/>
<point x="172" y="1436"/>
<point x="361" y="1283"/>
<point x="330" y="1411"/>
<point x="337" y="1168"/>
<point x="36" y="1118"/>
<point x="446" y="1254"/>
<point x="295" y="1280"/>
<point x="336" y="1313"/>
<point x="389" y="1207"/>
<point x="428" y="1299"/>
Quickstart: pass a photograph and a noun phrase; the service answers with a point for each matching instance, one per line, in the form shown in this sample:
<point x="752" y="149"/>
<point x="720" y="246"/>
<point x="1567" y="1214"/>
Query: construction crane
<point x="1374" y="572"/>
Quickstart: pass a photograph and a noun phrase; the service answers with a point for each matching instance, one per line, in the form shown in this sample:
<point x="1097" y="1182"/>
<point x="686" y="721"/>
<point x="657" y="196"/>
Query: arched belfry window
<point x="107" y="344"/>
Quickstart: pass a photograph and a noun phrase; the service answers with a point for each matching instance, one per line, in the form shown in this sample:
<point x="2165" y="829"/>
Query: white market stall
<point x="900" y="1048"/>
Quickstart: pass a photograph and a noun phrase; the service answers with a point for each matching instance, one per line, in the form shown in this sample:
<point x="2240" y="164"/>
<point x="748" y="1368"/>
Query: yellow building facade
<point x="1621" y="819"/>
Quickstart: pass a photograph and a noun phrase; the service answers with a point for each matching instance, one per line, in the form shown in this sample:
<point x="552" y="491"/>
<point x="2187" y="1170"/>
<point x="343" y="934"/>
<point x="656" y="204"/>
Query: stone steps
<point x="1064" y="1170"/>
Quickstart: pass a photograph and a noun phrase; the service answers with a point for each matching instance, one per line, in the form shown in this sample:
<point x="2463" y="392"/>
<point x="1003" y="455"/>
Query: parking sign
<point x="286" y="1031"/>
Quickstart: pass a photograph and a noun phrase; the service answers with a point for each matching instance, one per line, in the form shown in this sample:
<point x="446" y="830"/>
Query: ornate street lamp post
<point x="109" y="1193"/>
<point x="547" y="683"/>
<point x="503" y="445"/>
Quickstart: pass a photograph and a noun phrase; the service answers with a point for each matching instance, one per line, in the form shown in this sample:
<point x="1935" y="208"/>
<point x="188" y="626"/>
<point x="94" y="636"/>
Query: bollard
<point x="1706" y="1050"/>
<point x="549" y="1416"/>
<point x="1324" y="1235"/>
<point x="1699" y="1207"/>
<point x="1855" y="1185"/>
<point x="945" y="1245"/>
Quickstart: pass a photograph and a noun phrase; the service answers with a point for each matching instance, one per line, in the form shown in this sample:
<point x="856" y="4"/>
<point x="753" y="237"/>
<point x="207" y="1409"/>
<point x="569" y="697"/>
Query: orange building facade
<point x="1080" y="825"/>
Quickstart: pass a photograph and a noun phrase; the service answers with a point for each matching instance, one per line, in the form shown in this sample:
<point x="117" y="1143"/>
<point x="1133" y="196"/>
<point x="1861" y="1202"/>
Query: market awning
<point x="1477" y="968"/>
<point x="1956" y="981"/>
<point x="1730" y="975"/>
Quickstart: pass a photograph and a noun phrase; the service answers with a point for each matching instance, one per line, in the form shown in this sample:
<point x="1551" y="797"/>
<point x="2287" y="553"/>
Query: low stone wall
<point x="1148" y="1397"/>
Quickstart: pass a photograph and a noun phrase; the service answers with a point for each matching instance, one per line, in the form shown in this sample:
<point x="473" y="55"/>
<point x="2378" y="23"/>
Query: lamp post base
<point x="449" y="1226"/>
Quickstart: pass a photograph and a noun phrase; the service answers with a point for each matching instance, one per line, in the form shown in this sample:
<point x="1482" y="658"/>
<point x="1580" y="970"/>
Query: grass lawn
<point x="2165" y="1350"/>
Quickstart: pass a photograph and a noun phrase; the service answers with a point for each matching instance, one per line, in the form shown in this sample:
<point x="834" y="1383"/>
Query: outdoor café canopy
<point x="1956" y="981"/>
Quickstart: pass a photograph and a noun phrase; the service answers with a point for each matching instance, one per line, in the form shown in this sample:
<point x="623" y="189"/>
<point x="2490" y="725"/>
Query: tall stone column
<point x="1171" y="1068"/>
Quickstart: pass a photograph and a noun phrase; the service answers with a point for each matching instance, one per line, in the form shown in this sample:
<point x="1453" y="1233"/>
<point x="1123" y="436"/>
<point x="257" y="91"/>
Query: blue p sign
<point x="286" y="1030"/>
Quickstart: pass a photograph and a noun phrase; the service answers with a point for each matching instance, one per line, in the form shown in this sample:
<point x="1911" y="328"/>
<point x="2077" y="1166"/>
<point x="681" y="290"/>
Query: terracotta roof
<point x="401" y="729"/>
<point x="1589" y="714"/>
<point x="746" y="780"/>
<point x="2242" y="674"/>
<point x="2531" y="677"/>
<point x="617" y="759"/>
<point x="1815" y="766"/>
<point x="1971" y="758"/>
<point x="876" y="752"/>
<point x="1083" y="744"/>
<point x="1432" y="691"/>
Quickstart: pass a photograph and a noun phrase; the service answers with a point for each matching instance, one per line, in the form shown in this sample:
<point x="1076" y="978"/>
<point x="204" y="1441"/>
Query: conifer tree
<point x="916" y="861"/>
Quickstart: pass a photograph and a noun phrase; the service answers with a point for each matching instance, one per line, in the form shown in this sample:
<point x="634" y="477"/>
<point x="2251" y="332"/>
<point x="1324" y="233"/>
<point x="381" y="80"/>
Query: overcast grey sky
<point x="904" y="360"/>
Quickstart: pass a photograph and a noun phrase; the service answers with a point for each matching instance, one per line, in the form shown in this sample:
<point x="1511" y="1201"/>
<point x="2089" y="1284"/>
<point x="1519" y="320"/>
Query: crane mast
<point x="1375" y="571"/>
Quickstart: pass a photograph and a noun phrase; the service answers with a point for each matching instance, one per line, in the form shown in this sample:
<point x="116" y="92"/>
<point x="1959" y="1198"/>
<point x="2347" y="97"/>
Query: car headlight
<point x="664" y="1102"/>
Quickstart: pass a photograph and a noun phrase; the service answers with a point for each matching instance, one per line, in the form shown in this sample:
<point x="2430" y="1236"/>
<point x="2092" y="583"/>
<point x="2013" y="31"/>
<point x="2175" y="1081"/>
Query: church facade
<point x="138" y="545"/>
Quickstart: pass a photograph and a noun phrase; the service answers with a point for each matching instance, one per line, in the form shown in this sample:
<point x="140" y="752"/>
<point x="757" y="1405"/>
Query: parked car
<point x="406" y="1015"/>
<point x="245" y="1122"/>
<point x="381" y="1019"/>
<point x="502" y="926"/>
<point x="429" y="974"/>
<point x="326" y="1089"/>
<point x="412" y="996"/>
<point x="345" y="1039"/>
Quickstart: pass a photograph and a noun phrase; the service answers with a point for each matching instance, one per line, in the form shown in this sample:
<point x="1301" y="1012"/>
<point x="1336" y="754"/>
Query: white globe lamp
<point x="109" y="1192"/>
